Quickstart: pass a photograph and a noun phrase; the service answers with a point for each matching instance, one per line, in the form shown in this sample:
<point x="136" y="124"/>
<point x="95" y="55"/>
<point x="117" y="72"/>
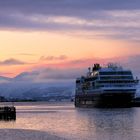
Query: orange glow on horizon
<point x="28" y="47"/>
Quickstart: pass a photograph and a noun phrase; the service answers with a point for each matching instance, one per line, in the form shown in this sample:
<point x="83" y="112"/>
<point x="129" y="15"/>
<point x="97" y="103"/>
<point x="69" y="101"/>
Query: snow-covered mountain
<point x="4" y="79"/>
<point x="39" y="85"/>
<point x="41" y="91"/>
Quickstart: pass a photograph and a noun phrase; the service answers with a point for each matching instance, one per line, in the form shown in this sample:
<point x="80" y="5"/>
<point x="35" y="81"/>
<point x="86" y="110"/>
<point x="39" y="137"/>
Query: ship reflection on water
<point x="104" y="124"/>
<point x="66" y="121"/>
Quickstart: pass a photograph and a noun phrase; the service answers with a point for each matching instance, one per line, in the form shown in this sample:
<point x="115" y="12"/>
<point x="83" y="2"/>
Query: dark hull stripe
<point x="104" y="100"/>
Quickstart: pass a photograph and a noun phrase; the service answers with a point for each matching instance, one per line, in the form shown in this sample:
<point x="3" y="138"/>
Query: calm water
<point x="35" y="120"/>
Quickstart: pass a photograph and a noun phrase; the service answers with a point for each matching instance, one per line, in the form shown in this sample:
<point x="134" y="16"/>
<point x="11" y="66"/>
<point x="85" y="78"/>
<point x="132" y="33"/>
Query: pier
<point x="7" y="113"/>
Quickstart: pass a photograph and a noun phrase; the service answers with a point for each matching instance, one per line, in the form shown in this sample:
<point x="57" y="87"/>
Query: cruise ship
<point x="109" y="86"/>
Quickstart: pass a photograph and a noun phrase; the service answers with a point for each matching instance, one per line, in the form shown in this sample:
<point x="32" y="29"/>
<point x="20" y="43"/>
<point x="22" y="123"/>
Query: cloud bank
<point x="73" y="69"/>
<point x="52" y="58"/>
<point x="94" y="18"/>
<point x="12" y="61"/>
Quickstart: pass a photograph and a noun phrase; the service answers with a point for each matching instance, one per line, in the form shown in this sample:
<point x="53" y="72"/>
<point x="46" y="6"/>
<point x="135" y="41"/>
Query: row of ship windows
<point x="115" y="86"/>
<point x="131" y="81"/>
<point x="106" y="78"/>
<point x="99" y="86"/>
<point x="116" y="77"/>
<point x="112" y="81"/>
<point x="116" y="73"/>
<point x="106" y="84"/>
<point x="92" y="85"/>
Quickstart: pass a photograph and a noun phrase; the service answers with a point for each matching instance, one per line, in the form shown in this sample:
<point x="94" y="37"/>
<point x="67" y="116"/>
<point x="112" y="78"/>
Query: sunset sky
<point x="66" y="34"/>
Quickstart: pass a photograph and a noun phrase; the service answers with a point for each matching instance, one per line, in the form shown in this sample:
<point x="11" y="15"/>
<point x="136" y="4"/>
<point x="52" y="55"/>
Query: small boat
<point x="7" y="113"/>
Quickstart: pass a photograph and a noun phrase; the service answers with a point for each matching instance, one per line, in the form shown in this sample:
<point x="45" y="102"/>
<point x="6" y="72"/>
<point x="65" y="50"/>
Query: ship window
<point x="93" y="84"/>
<point x="77" y="81"/>
<point x="90" y="79"/>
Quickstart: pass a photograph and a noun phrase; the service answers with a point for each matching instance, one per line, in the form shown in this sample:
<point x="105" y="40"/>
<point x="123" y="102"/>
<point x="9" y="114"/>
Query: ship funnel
<point x="96" y="67"/>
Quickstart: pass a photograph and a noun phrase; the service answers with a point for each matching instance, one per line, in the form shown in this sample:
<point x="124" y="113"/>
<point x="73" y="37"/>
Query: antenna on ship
<point x="89" y="71"/>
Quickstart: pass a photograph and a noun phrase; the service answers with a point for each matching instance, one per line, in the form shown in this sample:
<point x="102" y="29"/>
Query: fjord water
<point x="37" y="120"/>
